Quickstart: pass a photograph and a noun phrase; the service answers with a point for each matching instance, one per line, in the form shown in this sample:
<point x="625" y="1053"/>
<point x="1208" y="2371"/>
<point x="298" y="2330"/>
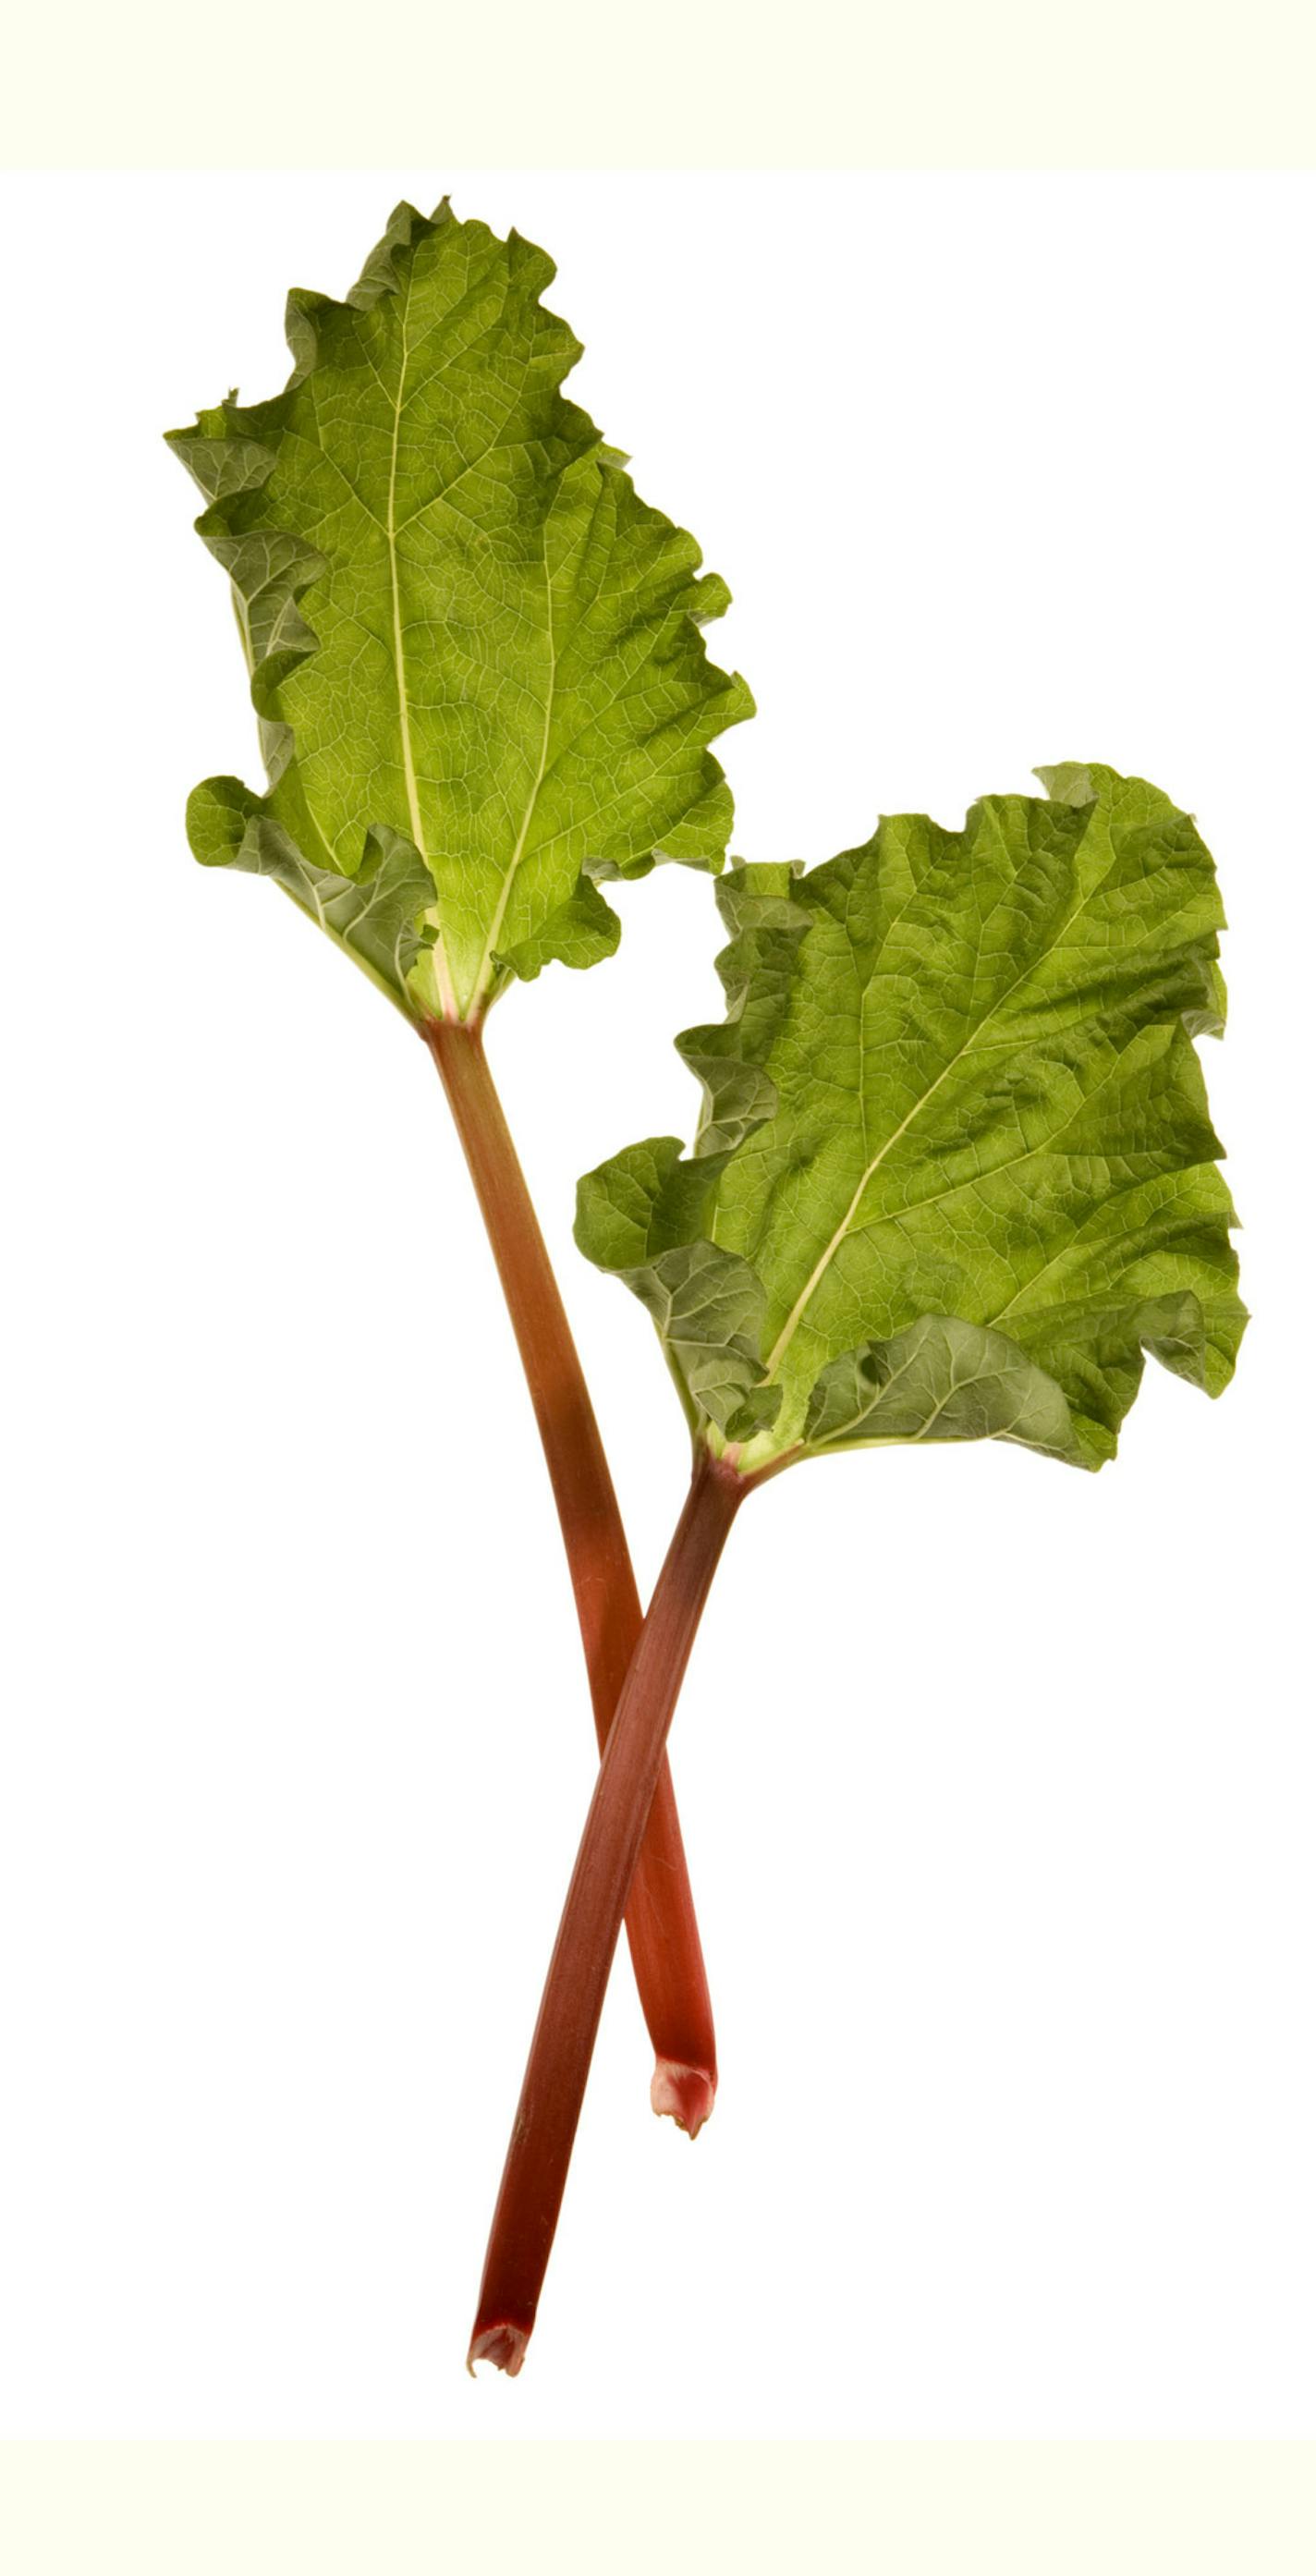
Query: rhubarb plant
<point x="476" y="661"/>
<point x="954" y="1177"/>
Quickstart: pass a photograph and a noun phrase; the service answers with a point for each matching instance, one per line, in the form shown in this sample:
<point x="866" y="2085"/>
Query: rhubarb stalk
<point x="632" y="1768"/>
<point x="660" y="1916"/>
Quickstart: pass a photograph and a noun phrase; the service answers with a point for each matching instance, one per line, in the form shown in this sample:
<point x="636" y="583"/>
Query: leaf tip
<point x="1068" y="782"/>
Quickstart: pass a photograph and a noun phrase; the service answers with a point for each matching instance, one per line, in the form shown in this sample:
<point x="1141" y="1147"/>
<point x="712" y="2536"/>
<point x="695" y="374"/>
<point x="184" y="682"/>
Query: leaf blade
<point x="957" y="1083"/>
<point x="462" y="623"/>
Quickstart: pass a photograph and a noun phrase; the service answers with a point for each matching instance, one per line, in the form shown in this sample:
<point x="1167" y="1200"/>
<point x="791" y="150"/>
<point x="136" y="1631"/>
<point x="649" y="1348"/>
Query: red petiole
<point x="660" y="1915"/>
<point x="634" y="1761"/>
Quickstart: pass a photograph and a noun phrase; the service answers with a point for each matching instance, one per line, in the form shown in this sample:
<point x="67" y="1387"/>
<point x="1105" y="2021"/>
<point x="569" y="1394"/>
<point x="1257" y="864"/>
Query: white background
<point x="997" y="1780"/>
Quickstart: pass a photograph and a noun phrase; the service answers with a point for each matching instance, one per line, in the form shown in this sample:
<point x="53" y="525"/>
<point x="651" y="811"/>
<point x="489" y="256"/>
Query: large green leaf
<point x="465" y="630"/>
<point x="955" y="1172"/>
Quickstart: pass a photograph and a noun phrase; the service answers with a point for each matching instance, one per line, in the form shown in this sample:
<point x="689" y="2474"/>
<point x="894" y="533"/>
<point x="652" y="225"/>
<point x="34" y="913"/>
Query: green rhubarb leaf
<point x="955" y="1134"/>
<point x="475" y="653"/>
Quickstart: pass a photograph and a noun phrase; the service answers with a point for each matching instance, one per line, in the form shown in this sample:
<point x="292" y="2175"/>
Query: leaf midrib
<point x="399" y="650"/>
<point x="442" y="971"/>
<point x="442" y="976"/>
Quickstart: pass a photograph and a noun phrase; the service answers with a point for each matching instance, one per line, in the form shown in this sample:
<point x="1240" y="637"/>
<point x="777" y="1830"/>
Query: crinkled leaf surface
<point x="474" y="651"/>
<point x="955" y="1172"/>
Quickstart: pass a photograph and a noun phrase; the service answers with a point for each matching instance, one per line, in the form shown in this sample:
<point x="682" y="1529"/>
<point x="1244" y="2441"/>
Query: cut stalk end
<point x="505" y="2346"/>
<point x="685" y="2094"/>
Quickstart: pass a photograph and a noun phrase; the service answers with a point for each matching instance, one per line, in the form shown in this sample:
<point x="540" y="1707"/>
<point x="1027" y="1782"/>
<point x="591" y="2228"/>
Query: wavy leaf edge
<point x="228" y="453"/>
<point x="941" y="1377"/>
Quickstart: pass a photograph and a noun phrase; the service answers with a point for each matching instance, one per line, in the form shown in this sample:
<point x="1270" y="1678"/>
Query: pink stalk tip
<point x="504" y="2346"/>
<point x="685" y="2094"/>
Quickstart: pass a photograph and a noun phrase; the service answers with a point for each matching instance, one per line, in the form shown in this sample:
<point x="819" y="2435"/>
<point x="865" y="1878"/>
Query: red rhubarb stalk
<point x="660" y="1915"/>
<point x="534" y="2176"/>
